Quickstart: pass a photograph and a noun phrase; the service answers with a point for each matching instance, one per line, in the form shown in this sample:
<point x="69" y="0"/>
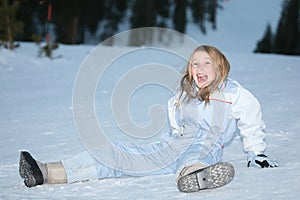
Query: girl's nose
<point x="198" y="67"/>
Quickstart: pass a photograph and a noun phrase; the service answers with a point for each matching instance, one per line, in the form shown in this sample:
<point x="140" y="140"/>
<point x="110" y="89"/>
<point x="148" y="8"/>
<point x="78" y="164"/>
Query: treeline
<point x="82" y="21"/>
<point x="286" y="39"/>
<point x="73" y="21"/>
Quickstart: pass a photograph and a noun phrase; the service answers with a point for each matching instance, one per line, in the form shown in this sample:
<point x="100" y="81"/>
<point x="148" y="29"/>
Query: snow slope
<point x="36" y="115"/>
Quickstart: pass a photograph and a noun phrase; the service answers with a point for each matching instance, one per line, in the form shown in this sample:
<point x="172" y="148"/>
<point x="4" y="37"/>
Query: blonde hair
<point x="187" y="85"/>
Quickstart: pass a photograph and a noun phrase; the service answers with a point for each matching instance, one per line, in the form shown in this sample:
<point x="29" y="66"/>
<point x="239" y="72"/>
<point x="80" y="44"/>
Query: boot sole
<point x="207" y="178"/>
<point x="29" y="170"/>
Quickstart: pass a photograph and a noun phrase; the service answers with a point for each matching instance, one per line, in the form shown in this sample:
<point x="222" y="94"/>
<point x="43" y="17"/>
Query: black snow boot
<point x="29" y="170"/>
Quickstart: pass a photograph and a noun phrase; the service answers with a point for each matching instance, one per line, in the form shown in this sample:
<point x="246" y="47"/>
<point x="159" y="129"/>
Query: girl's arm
<point x="246" y="109"/>
<point x="173" y="115"/>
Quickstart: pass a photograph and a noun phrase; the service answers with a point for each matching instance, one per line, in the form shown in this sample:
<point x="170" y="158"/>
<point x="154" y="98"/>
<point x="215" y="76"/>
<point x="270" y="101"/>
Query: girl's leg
<point x="78" y="168"/>
<point x="36" y="173"/>
<point x="85" y="167"/>
<point x="157" y="158"/>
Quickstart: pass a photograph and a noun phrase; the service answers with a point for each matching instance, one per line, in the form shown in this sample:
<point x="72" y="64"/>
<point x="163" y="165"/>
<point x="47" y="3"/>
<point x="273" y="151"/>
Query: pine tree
<point x="212" y="13"/>
<point x="9" y="25"/>
<point x="33" y="16"/>
<point x="114" y="13"/>
<point x="198" y="8"/>
<point x="162" y="12"/>
<point x="101" y="18"/>
<point x="143" y="15"/>
<point x="179" y="16"/>
<point x="287" y="38"/>
<point x="92" y="13"/>
<point x="204" y="10"/>
<point x="67" y="17"/>
<point x="265" y="45"/>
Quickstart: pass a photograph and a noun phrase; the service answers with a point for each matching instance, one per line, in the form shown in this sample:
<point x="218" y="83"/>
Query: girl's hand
<point x="261" y="160"/>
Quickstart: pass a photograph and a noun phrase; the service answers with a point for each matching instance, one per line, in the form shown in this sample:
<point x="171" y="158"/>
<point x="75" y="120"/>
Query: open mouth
<point x="202" y="78"/>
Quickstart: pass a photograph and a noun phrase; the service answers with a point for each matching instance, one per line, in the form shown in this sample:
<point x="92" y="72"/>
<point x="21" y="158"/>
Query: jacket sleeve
<point x="246" y="109"/>
<point x="173" y="115"/>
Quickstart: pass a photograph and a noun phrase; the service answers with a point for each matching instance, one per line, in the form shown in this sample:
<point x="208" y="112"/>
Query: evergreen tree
<point x="287" y="38"/>
<point x="101" y="18"/>
<point x="114" y="13"/>
<point x="143" y="15"/>
<point x="92" y="13"/>
<point x="179" y="16"/>
<point x="212" y="13"/>
<point x="9" y="25"/>
<point x="33" y="13"/>
<point x="66" y="17"/>
<point x="204" y="10"/>
<point x="28" y="13"/>
<point x="162" y="12"/>
<point x="198" y="10"/>
<point x="265" y="45"/>
<point x="73" y="17"/>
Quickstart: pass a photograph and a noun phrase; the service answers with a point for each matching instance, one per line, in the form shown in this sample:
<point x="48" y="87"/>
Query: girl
<point x="206" y="113"/>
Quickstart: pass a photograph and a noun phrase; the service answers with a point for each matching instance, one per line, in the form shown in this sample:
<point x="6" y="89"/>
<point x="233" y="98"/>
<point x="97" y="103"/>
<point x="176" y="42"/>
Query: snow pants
<point x="170" y="155"/>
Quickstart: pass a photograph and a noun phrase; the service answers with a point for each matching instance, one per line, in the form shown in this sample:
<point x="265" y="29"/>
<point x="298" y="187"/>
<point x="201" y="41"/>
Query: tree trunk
<point x="73" y="30"/>
<point x="9" y="34"/>
<point x="8" y="28"/>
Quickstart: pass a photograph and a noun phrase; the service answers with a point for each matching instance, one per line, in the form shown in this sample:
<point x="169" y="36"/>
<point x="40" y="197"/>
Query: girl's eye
<point x="207" y="62"/>
<point x="195" y="64"/>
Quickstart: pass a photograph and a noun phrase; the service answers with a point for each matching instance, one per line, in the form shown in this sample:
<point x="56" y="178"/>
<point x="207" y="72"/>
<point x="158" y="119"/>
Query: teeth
<point x="201" y="75"/>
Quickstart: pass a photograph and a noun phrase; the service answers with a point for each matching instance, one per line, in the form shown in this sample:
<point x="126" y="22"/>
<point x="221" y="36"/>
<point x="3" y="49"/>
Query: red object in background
<point x="49" y="17"/>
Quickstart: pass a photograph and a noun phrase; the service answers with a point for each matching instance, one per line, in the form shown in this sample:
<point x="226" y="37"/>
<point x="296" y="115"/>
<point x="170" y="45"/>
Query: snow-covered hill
<point x="36" y="115"/>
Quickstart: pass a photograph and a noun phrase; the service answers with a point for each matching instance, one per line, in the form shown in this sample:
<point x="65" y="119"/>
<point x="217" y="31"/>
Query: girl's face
<point x="203" y="70"/>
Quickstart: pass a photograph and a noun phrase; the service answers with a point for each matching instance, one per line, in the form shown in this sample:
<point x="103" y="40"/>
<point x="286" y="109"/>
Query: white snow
<point x="36" y="115"/>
